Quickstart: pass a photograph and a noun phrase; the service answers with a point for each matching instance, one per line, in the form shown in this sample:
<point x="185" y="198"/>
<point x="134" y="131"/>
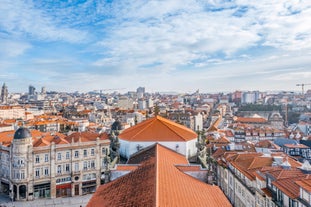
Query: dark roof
<point x="116" y="125"/>
<point x="282" y="141"/>
<point x="306" y="142"/>
<point x="22" y="133"/>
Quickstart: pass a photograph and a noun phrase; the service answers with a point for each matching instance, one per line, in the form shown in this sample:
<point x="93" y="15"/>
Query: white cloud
<point x="176" y="34"/>
<point x="173" y="44"/>
<point x="20" y="19"/>
<point x="13" y="48"/>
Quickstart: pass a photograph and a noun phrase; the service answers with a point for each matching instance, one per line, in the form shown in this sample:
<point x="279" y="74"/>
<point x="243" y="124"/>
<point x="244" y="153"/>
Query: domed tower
<point x="21" y="165"/>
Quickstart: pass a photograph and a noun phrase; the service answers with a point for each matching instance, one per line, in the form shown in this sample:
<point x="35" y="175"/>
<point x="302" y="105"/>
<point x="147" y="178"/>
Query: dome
<point x="22" y="133"/>
<point x="116" y="125"/>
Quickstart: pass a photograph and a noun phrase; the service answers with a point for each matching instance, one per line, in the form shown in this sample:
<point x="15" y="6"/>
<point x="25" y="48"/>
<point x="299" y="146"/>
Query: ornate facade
<point x="54" y="165"/>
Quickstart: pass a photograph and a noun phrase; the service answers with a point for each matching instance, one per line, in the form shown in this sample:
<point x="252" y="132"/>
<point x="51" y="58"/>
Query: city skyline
<point x="162" y="45"/>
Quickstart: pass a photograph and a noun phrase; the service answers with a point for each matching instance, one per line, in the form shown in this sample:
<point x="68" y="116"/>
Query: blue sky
<point x="164" y="45"/>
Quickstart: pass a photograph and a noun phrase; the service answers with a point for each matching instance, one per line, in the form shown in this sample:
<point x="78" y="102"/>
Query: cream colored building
<point x="52" y="165"/>
<point x="12" y="112"/>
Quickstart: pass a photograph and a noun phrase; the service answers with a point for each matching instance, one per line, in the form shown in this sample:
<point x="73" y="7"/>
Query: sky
<point x="163" y="45"/>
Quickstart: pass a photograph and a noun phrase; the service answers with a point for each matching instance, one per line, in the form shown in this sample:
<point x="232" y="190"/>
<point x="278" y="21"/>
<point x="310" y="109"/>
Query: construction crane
<point x="303" y="86"/>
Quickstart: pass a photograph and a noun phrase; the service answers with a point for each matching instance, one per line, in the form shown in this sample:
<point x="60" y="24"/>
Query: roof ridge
<point x="170" y="128"/>
<point x="126" y="131"/>
<point x="157" y="176"/>
<point x="173" y="123"/>
<point x="143" y="129"/>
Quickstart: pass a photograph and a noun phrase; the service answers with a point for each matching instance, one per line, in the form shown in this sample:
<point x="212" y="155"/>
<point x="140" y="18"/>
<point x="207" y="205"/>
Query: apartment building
<point x="48" y="165"/>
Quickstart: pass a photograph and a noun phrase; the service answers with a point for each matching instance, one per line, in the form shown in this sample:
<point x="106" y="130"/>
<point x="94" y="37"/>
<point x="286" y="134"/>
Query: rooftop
<point x="158" y="182"/>
<point x="158" y="129"/>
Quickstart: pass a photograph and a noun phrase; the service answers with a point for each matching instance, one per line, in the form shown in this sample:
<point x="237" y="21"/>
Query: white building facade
<point x="158" y="130"/>
<point x="59" y="169"/>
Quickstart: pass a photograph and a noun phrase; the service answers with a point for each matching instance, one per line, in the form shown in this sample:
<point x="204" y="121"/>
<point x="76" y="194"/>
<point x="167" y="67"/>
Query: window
<point x="22" y="174"/>
<point x="92" y="152"/>
<point x="93" y="164"/>
<point x="76" y="166"/>
<point x="76" y="154"/>
<point x="63" y="180"/>
<point x="46" y="171"/>
<point x="46" y="157"/>
<point x="85" y="153"/>
<point x="37" y="172"/>
<point x="67" y="155"/>
<point x="37" y="159"/>
<point x="59" y="156"/>
<point x="67" y="168"/>
<point x="104" y="151"/>
<point x="85" y="165"/>
<point x="16" y="175"/>
<point x="59" y="169"/>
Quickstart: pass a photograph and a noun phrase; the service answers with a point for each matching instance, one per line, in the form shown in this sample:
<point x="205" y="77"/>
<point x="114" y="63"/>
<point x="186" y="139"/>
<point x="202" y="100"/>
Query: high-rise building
<point x="43" y="90"/>
<point x="140" y="92"/>
<point x="31" y="90"/>
<point x="4" y="94"/>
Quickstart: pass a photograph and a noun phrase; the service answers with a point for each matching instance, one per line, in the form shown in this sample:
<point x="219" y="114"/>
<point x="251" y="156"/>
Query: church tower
<point x="4" y="94"/>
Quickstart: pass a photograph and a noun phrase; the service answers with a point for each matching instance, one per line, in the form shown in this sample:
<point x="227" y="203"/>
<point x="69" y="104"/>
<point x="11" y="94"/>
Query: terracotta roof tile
<point x="250" y="120"/>
<point x="86" y="136"/>
<point x="158" y="182"/>
<point x="267" y="192"/>
<point x="305" y="184"/>
<point x="301" y="146"/>
<point x="126" y="167"/>
<point x="158" y="129"/>
<point x="289" y="186"/>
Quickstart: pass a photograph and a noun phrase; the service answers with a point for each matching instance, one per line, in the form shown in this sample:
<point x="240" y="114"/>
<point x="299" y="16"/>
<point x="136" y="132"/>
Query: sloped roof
<point x="158" y="129"/>
<point x="158" y="182"/>
<point x="267" y="144"/>
<point x="86" y="136"/>
<point x="289" y="186"/>
<point x="305" y="184"/>
<point x="250" y="119"/>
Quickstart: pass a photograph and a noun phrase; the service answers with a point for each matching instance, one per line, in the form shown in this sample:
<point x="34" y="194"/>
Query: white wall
<point x="185" y="148"/>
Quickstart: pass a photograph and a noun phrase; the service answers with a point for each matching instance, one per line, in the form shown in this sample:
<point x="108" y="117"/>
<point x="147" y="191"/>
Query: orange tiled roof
<point x="284" y="174"/>
<point x="305" y="184"/>
<point x="186" y="168"/>
<point x="289" y="186"/>
<point x="248" y="163"/>
<point x="302" y="146"/>
<point x="39" y="138"/>
<point x="158" y="182"/>
<point x="158" y="129"/>
<point x="86" y="136"/>
<point x="266" y="144"/>
<point x="267" y="192"/>
<point x="250" y="120"/>
<point x="126" y="167"/>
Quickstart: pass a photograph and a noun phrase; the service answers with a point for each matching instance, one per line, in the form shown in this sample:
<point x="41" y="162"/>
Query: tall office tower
<point x="140" y="92"/>
<point x="4" y="94"/>
<point x="31" y="90"/>
<point x="43" y="90"/>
